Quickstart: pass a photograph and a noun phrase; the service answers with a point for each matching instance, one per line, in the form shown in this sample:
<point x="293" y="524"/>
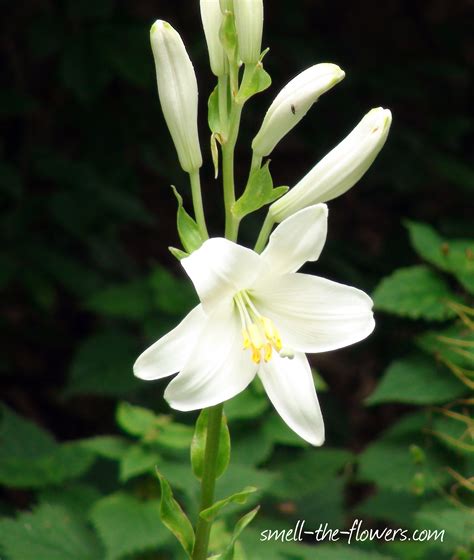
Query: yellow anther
<point x="246" y="338"/>
<point x="272" y="334"/>
<point x="256" y="356"/>
<point x="267" y="352"/>
<point x="255" y="336"/>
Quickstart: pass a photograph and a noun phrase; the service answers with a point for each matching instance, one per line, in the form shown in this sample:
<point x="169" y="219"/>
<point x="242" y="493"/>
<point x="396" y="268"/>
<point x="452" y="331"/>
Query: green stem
<point x="222" y="85"/>
<point x="264" y="233"/>
<point x="197" y="202"/>
<point x="208" y="481"/>
<point x="228" y="149"/>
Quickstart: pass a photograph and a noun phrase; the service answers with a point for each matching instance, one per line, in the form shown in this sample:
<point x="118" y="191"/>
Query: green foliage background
<point x="87" y="215"/>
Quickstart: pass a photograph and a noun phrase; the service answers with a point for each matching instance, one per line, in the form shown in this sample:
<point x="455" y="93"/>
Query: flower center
<point x="259" y="333"/>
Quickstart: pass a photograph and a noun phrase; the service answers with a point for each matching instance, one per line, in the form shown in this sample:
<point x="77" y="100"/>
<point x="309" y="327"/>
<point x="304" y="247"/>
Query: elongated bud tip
<point x="378" y="120"/>
<point x="158" y="26"/>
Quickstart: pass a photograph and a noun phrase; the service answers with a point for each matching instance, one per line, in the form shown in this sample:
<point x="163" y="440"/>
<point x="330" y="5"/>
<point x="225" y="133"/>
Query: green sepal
<point x="255" y="80"/>
<point x="178" y="253"/>
<point x="213" y="118"/>
<point x="258" y="192"/>
<point x="228" y="35"/>
<point x="174" y="518"/>
<point x="188" y="229"/>
<point x="241" y="524"/>
<point x="198" y="446"/>
<point x="239" y="498"/>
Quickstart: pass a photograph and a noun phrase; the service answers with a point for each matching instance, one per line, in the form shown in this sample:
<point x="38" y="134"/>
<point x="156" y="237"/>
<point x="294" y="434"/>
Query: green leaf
<point x="457" y="524"/>
<point x="238" y="529"/>
<point x="31" y="458"/>
<point x="277" y="431"/>
<point x="213" y="111"/>
<point x="188" y="229"/>
<point x="136" y="461"/>
<point x="103" y="365"/>
<point x="402" y="472"/>
<point x="309" y="472"/>
<point x="255" y="80"/>
<point x="135" y="420"/>
<point x="258" y="192"/>
<point x="174" y="518"/>
<point x="178" y="253"/>
<point x="198" y="446"/>
<point x="228" y="35"/>
<point x="417" y="380"/>
<point x="127" y="525"/>
<point x="240" y="498"/>
<point x="50" y="532"/>
<point x="455" y="256"/>
<point x="454" y="344"/>
<point x="131" y="300"/>
<point x="415" y="292"/>
<point x="171" y="295"/>
<point x="246" y="405"/>
<point x="108" y="447"/>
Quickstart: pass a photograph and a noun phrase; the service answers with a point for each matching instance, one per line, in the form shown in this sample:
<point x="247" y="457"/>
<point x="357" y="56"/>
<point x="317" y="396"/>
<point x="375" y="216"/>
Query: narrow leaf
<point x="187" y="227"/>
<point x="239" y="498"/>
<point x="239" y="527"/>
<point x="174" y="518"/>
<point x="178" y="253"/>
<point x="213" y="111"/>
<point x="198" y="446"/>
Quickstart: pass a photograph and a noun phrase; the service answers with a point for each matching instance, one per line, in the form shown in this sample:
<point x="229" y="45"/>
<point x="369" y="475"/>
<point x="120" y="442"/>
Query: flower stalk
<point x="208" y="482"/>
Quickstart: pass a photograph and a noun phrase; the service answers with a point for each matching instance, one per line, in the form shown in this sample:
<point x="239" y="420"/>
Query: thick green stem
<point x="231" y="223"/>
<point x="197" y="202"/>
<point x="208" y="481"/>
<point x="264" y="233"/>
<point x="223" y="92"/>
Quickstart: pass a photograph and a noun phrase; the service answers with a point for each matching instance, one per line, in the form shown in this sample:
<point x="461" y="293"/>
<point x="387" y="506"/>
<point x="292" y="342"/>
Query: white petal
<point x="314" y="314"/>
<point x="221" y="268"/>
<point x="217" y="369"/>
<point x="169" y="354"/>
<point x="289" y="385"/>
<point x="297" y="239"/>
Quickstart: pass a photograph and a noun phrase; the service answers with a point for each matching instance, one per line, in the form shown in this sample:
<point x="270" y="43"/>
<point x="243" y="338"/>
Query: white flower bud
<point x="212" y="17"/>
<point x="249" y="25"/>
<point x="340" y="170"/>
<point x="226" y="5"/>
<point x="292" y="104"/>
<point x="178" y="92"/>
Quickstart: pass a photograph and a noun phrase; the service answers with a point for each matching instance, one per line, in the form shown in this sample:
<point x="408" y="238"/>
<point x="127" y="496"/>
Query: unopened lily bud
<point x="249" y="25"/>
<point x="292" y="104"/>
<point x="212" y="17"/>
<point x="340" y="170"/>
<point x="178" y="92"/>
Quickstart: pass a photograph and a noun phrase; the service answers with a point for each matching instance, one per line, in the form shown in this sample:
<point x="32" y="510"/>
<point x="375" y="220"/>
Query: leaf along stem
<point x="203" y="528"/>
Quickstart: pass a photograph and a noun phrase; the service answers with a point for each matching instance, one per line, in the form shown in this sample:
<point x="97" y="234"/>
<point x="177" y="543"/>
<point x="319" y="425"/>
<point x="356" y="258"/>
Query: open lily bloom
<point x="258" y="316"/>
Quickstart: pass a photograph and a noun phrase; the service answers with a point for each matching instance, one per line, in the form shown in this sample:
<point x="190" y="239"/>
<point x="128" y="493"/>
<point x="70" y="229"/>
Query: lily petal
<point x="169" y="354"/>
<point x="218" y="368"/>
<point x="313" y="314"/>
<point x="290" y="386"/>
<point x="297" y="239"/>
<point x="219" y="269"/>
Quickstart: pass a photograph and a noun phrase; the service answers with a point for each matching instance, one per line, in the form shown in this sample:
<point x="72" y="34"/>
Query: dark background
<point x="87" y="213"/>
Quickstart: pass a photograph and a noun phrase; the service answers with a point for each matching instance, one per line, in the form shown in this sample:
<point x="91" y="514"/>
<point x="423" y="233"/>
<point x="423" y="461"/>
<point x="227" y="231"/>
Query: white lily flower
<point x="178" y="92"/>
<point x="249" y="25"/>
<point x="339" y="170"/>
<point x="292" y="104"/>
<point x="258" y="316"/>
<point x="212" y="17"/>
